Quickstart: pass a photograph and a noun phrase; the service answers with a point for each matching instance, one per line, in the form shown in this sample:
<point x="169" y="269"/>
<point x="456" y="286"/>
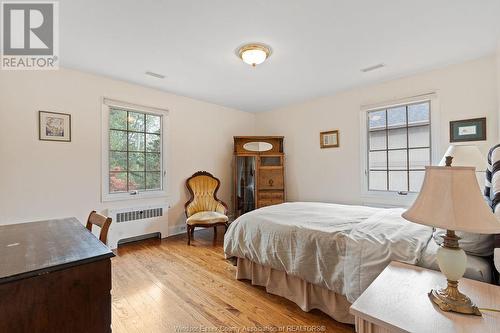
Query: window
<point x="399" y="147"/>
<point x="133" y="151"/>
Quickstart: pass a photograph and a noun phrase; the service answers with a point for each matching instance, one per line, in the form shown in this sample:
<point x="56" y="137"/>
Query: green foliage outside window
<point x="134" y="151"/>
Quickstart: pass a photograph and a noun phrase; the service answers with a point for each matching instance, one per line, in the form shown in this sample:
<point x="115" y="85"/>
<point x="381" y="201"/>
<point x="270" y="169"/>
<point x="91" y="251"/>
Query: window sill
<point x="387" y="199"/>
<point x="106" y="197"/>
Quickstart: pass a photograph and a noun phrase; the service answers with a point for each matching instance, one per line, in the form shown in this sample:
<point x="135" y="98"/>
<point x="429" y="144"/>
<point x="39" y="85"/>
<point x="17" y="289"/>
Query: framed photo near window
<point x="468" y="130"/>
<point x="54" y="126"/>
<point x="329" y="139"/>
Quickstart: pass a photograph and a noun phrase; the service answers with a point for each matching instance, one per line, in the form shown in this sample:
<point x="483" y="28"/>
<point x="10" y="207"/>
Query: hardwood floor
<point x="167" y="286"/>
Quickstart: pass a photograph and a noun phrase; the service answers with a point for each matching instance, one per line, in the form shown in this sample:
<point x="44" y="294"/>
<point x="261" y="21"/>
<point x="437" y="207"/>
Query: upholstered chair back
<point x="203" y="188"/>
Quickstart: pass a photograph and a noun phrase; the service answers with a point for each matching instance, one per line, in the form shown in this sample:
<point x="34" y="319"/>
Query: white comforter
<point x="342" y="248"/>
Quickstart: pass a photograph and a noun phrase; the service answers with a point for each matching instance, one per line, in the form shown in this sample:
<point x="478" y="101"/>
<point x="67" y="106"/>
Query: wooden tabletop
<point x="397" y="300"/>
<point x="30" y="249"/>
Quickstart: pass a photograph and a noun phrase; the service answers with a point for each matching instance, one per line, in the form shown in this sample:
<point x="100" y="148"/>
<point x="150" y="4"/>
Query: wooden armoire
<point x="259" y="172"/>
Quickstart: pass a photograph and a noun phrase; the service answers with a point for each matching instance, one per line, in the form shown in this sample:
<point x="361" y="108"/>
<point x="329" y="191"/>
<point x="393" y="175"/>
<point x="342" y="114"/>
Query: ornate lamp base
<point x="450" y="299"/>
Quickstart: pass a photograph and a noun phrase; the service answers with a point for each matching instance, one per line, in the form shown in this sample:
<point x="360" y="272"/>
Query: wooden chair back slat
<point x="102" y="222"/>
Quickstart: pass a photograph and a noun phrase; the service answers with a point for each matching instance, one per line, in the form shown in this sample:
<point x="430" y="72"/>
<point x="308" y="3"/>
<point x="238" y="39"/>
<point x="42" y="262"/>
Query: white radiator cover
<point x="136" y="226"/>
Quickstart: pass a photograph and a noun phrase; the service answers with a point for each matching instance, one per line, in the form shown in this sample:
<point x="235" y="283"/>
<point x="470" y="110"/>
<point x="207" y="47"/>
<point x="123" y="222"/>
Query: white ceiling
<point x="318" y="46"/>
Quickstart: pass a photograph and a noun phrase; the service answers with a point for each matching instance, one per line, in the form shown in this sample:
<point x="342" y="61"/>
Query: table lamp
<point x="450" y="199"/>
<point x="465" y="155"/>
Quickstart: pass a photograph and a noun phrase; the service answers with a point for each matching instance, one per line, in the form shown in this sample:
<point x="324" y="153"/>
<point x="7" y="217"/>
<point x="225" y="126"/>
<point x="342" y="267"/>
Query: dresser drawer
<point x="264" y="203"/>
<point x="271" y="179"/>
<point x="271" y="195"/>
<point x="268" y="198"/>
<point x="268" y="202"/>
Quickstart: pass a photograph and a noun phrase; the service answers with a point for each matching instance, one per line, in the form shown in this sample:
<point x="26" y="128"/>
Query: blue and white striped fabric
<point x="492" y="194"/>
<point x="492" y="185"/>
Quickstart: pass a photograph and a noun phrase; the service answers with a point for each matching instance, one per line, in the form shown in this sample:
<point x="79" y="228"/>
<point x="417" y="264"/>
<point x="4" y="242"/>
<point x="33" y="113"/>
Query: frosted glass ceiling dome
<point x="254" y="54"/>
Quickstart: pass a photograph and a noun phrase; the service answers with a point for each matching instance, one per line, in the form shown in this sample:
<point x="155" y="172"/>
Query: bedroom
<point x="328" y="67"/>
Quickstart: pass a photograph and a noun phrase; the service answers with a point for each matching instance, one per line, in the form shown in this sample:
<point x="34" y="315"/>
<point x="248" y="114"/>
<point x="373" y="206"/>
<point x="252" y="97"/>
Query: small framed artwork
<point x="468" y="130"/>
<point x="329" y="139"/>
<point x="54" y="126"/>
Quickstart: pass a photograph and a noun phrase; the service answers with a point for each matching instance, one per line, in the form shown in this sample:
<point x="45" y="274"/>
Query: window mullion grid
<point x="395" y="149"/>
<point x="430" y="134"/>
<point x="407" y="126"/>
<point x="128" y="152"/>
<point x="144" y="152"/>
<point x="368" y="143"/>
<point x="387" y="147"/>
<point x="161" y="153"/>
<point x="141" y="132"/>
<point x="407" y="153"/>
<point x="128" y="167"/>
<point x="411" y="169"/>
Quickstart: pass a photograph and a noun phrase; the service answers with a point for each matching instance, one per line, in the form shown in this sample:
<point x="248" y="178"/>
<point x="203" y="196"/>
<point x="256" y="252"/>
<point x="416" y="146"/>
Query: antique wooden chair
<point x="203" y="208"/>
<point x="101" y="221"/>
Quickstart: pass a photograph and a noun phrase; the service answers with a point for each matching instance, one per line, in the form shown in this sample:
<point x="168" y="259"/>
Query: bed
<point x="323" y="256"/>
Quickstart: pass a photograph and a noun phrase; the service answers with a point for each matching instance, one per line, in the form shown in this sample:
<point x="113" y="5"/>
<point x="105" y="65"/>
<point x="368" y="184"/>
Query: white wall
<point x="464" y="91"/>
<point x="498" y="88"/>
<point x="40" y="180"/>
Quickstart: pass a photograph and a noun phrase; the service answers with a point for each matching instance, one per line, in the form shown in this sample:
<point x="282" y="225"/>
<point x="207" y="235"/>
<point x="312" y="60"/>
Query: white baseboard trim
<point x="176" y="230"/>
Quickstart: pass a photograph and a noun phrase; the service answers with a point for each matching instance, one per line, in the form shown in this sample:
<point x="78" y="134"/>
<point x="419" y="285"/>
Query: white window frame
<point x="107" y="103"/>
<point x="393" y="198"/>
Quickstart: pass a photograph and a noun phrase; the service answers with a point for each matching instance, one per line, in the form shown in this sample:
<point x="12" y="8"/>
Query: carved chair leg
<point x="189" y="234"/>
<point x="192" y="232"/>
<point x="215" y="233"/>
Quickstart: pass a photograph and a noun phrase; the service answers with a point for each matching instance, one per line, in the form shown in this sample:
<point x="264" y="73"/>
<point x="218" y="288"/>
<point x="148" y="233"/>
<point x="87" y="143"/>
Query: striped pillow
<point x="492" y="186"/>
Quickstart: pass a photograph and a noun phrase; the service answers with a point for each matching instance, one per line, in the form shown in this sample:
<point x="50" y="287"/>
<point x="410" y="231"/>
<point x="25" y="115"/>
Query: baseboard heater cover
<point x="136" y="223"/>
<point x="133" y="215"/>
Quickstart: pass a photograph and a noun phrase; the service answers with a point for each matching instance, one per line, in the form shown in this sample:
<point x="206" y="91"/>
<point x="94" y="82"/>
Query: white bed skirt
<point x="306" y="295"/>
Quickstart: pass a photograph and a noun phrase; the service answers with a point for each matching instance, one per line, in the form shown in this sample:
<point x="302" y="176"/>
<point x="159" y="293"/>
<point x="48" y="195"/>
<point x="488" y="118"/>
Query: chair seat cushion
<point x="206" y="218"/>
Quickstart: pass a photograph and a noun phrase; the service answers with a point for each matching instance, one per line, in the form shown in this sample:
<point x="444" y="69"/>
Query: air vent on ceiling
<point x="156" y="75"/>
<point x="372" y="68"/>
<point x="133" y="215"/>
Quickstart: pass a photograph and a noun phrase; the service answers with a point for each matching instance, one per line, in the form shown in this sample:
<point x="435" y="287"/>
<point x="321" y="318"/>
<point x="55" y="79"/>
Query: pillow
<point x="475" y="244"/>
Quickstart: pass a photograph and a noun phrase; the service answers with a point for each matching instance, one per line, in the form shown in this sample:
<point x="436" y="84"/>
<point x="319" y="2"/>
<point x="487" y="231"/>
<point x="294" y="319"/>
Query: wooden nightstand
<point x="397" y="301"/>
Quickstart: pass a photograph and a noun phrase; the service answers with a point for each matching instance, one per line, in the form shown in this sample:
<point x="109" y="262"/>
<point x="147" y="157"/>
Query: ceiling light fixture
<point x="254" y="54"/>
<point x="156" y="75"/>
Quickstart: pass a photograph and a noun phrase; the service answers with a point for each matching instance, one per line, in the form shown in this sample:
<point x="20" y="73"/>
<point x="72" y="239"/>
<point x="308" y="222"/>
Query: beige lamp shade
<point x="465" y="155"/>
<point x="450" y="198"/>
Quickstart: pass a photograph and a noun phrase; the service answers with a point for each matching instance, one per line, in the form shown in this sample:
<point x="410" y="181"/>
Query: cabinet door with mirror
<point x="245" y="184"/>
<point x="258" y="173"/>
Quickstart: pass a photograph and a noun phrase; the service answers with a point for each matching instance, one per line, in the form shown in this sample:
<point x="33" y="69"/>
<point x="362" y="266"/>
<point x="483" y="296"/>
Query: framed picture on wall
<point x="329" y="139"/>
<point x="54" y="126"/>
<point x="468" y="130"/>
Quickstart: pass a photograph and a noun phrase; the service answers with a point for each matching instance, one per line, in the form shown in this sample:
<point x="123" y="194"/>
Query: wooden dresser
<point x="259" y="172"/>
<point x="55" y="276"/>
